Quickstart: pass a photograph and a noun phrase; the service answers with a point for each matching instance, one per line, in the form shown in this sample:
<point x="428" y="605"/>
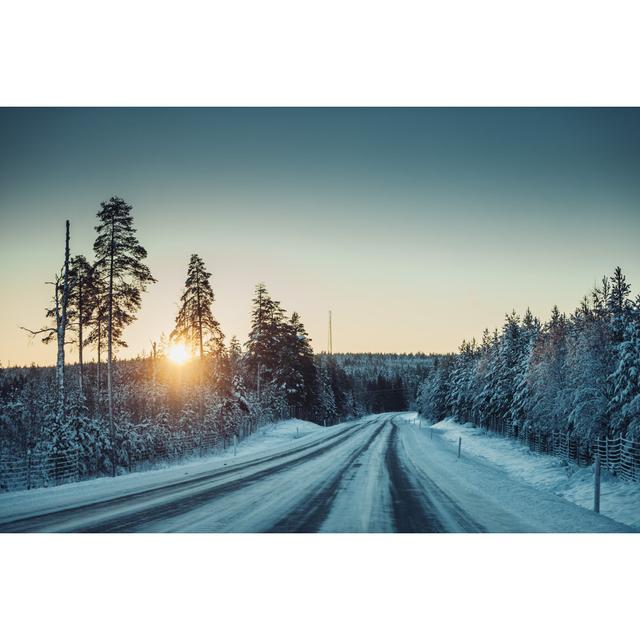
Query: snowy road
<point x="378" y="474"/>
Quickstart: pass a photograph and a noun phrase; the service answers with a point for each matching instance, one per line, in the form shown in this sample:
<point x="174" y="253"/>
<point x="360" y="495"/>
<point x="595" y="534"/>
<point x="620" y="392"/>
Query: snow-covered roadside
<point x="269" y="439"/>
<point x="619" y="500"/>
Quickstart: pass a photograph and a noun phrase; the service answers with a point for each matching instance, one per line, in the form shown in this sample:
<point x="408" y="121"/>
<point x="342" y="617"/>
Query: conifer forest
<point x="194" y="388"/>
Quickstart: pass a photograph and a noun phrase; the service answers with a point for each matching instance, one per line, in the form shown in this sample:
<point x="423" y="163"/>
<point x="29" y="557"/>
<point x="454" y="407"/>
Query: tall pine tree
<point x="296" y="372"/>
<point x="619" y="304"/>
<point x="624" y="406"/>
<point x="265" y="338"/>
<point x="119" y="258"/>
<point x="195" y="323"/>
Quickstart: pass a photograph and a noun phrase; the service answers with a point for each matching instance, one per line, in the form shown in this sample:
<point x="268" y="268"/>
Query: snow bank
<point x="619" y="500"/>
<point x="269" y="438"/>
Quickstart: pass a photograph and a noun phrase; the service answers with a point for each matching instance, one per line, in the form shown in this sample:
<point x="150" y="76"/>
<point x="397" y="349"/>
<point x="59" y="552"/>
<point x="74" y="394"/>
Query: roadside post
<point x="235" y="443"/>
<point x="28" y="468"/>
<point x="459" y="446"/>
<point x="596" y="488"/>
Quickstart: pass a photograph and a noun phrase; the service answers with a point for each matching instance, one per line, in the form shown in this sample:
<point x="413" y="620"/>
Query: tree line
<point x="145" y="402"/>
<point x="578" y="373"/>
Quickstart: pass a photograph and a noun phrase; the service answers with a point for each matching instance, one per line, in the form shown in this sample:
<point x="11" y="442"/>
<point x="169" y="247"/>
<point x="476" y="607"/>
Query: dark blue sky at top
<point x="569" y="153"/>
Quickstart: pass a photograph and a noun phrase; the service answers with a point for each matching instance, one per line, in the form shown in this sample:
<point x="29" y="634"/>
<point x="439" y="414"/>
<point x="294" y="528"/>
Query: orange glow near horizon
<point x="178" y="353"/>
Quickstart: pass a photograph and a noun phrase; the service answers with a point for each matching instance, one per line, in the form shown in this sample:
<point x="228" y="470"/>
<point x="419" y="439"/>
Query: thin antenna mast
<point x="330" y="346"/>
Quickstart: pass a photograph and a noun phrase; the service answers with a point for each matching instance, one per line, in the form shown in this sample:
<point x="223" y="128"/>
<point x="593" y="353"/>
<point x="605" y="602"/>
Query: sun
<point x="178" y="353"/>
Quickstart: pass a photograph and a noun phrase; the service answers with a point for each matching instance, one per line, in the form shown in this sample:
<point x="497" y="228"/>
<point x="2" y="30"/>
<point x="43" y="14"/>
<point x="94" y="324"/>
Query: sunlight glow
<point x="178" y="353"/>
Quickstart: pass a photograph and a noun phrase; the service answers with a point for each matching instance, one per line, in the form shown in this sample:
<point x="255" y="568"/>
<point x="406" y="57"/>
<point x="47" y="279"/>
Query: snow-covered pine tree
<point x="461" y="395"/>
<point x="550" y="405"/>
<point x="195" y="323"/>
<point x="486" y="372"/>
<point x="82" y="303"/>
<point x="434" y="391"/>
<point x="265" y="338"/>
<point x="600" y="297"/>
<point x="519" y="410"/>
<point x="481" y="392"/>
<point x="305" y="363"/>
<point x="511" y="348"/>
<point x="296" y="372"/>
<point x="588" y="346"/>
<point x="235" y="364"/>
<point x="119" y="259"/>
<point x="619" y="304"/>
<point x="326" y="401"/>
<point x="235" y="356"/>
<point x="624" y="406"/>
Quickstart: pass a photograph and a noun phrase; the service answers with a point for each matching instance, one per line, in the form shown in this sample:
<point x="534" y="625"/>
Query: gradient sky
<point x="417" y="227"/>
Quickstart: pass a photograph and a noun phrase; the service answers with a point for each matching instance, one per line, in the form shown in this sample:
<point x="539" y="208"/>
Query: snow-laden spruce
<point x="579" y="374"/>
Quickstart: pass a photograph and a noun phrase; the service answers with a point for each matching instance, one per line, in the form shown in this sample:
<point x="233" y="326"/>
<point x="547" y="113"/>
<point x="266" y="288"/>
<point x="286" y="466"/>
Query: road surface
<point x="378" y="474"/>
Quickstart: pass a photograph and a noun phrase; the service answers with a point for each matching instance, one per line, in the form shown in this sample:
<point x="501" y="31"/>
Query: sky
<point x="415" y="227"/>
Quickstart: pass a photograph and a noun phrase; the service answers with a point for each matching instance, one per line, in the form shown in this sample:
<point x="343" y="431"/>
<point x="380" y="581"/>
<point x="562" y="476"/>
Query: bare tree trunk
<point x="99" y="355"/>
<point x="199" y="316"/>
<point x="110" y="354"/>
<point x="259" y="337"/>
<point x="60" y="340"/>
<point x="61" y="320"/>
<point x="201" y="403"/>
<point x="80" y="363"/>
<point x="258" y="384"/>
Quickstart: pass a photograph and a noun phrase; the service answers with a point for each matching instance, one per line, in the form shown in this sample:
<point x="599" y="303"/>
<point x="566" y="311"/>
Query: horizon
<point x="417" y="228"/>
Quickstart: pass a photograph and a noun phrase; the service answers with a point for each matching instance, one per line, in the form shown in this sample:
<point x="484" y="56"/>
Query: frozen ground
<point x="619" y="500"/>
<point x="380" y="473"/>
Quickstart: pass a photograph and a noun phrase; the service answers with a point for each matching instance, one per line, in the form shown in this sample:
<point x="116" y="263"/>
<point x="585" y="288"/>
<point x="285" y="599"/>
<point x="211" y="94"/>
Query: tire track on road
<point x="313" y="510"/>
<point x="419" y="505"/>
<point x="412" y="513"/>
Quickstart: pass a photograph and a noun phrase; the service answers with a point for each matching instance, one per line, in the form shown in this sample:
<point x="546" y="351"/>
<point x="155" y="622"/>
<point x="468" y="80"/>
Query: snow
<point x="270" y="438"/>
<point x="489" y="491"/>
<point x="380" y="473"/>
<point x="619" y="500"/>
<point x="276" y="502"/>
